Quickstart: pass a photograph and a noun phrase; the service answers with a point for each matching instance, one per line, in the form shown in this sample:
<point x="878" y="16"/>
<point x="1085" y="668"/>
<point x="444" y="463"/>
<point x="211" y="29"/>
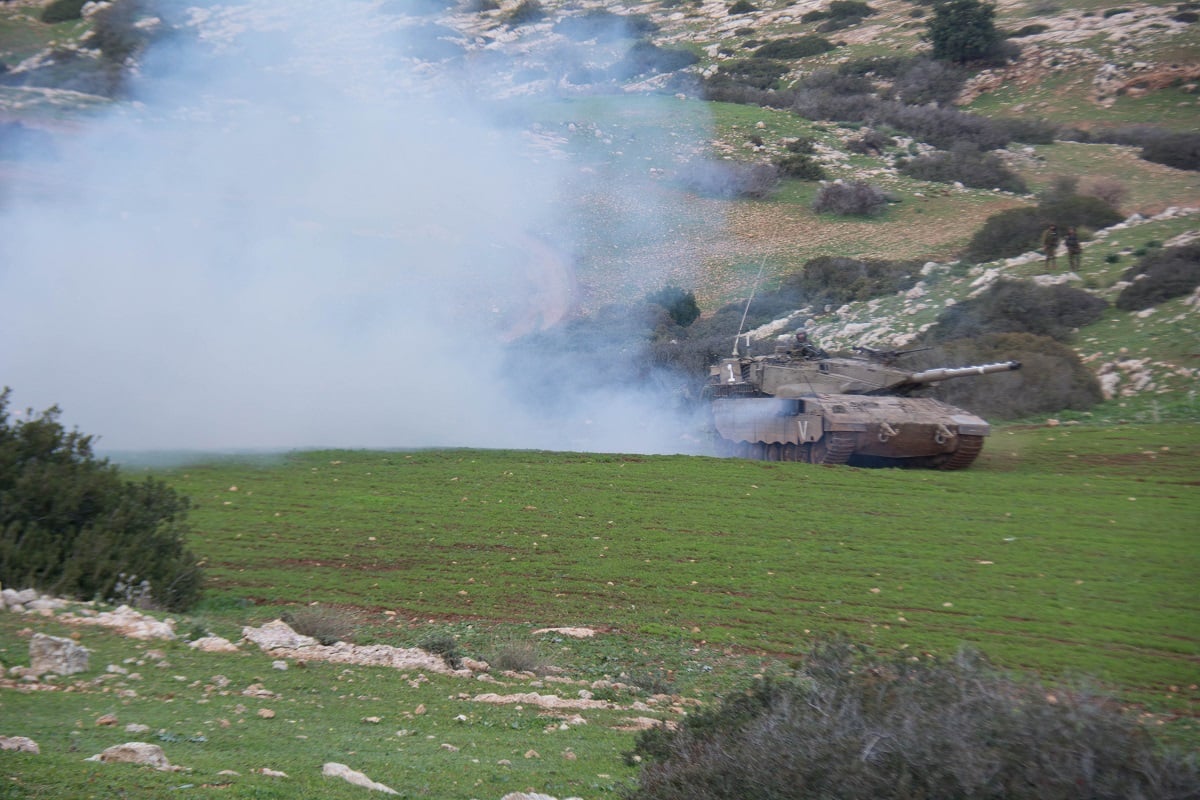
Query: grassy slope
<point x="1068" y="552"/>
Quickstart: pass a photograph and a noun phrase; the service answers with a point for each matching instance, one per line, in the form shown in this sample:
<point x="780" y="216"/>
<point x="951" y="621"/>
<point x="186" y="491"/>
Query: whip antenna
<point x="746" y="310"/>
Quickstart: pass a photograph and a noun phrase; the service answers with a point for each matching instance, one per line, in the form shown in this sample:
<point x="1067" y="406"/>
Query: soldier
<point x="1074" y="250"/>
<point x="806" y="348"/>
<point x="1050" y="246"/>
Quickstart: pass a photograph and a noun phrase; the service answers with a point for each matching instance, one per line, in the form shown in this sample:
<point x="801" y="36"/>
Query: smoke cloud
<point x="299" y="238"/>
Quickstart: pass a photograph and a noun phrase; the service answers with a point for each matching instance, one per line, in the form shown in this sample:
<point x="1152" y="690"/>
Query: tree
<point x="70" y="525"/>
<point x="963" y="30"/>
<point x="679" y="304"/>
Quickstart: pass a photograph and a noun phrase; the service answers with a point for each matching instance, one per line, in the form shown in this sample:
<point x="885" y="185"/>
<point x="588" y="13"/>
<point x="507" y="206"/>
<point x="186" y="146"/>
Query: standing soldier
<point x="1074" y="251"/>
<point x="1050" y="246"/>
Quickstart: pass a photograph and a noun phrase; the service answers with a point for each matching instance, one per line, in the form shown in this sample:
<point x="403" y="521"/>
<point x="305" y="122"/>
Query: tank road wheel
<point x="968" y="449"/>
<point x="774" y="452"/>
<point x="791" y="452"/>
<point x="832" y="449"/>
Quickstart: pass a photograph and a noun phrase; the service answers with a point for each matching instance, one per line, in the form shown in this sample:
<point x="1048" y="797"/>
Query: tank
<point x="800" y="404"/>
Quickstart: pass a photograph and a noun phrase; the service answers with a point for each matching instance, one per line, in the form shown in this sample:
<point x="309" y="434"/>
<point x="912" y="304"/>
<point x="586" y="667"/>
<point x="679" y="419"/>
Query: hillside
<point x="555" y="158"/>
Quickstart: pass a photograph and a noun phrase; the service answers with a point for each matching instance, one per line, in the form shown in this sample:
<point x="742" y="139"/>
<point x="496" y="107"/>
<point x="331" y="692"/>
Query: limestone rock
<point x="56" y="654"/>
<point x="336" y="770"/>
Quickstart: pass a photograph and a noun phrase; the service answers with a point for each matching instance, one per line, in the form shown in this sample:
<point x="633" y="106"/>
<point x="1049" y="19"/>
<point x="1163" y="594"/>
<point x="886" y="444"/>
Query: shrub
<point x="1186" y="17"/>
<point x="728" y="179"/>
<point x="1030" y="130"/>
<point x="71" y="526"/>
<point x="647" y="58"/>
<point x="849" y="8"/>
<point x="679" y="304"/>
<point x="801" y="166"/>
<point x="1028" y="30"/>
<point x="518" y="655"/>
<point x="838" y="279"/>
<point x="856" y="198"/>
<point x="443" y="645"/>
<point x="870" y="142"/>
<point x="1178" y="150"/>
<point x="62" y="11"/>
<point x="924" y="80"/>
<point x="116" y="32"/>
<point x="1109" y="191"/>
<point x="1005" y="234"/>
<point x="1019" y="307"/>
<point x="1160" y="276"/>
<point x="743" y="7"/>
<point x="801" y="146"/>
<point x="525" y="13"/>
<point x="605" y="25"/>
<point x="327" y="625"/>
<point x="968" y="165"/>
<point x="854" y="725"/>
<point x="1112" y="12"/>
<point x="755" y="73"/>
<point x="1052" y="376"/>
<point x="963" y="31"/>
<point x="795" y="47"/>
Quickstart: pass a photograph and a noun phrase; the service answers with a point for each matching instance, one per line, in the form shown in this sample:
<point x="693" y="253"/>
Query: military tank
<point x="801" y="404"/>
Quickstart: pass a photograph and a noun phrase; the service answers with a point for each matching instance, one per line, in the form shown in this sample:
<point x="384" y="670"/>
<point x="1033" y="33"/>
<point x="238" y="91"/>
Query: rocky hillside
<point x="613" y="96"/>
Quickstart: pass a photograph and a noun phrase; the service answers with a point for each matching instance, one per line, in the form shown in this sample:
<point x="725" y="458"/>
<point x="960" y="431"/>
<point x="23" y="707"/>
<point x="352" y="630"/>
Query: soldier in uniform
<point x="805" y="348"/>
<point x="1050" y="246"/>
<point x="1074" y="250"/>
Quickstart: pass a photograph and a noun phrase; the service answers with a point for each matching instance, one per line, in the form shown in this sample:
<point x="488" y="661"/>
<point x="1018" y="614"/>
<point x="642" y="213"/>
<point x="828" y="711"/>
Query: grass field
<point x="1066" y="552"/>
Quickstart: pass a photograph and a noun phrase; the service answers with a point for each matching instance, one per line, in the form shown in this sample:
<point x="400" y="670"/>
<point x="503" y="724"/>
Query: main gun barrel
<point x="945" y="373"/>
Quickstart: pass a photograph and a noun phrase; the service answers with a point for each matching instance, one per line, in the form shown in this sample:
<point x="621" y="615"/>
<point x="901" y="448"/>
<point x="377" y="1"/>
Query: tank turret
<point x="799" y="404"/>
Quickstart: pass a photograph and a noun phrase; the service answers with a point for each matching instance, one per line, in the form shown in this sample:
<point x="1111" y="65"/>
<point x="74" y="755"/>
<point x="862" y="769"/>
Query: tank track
<point x="964" y="456"/>
<point x="834" y="449"/>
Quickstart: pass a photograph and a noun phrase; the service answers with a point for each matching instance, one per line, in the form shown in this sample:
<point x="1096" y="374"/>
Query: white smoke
<point x="296" y="240"/>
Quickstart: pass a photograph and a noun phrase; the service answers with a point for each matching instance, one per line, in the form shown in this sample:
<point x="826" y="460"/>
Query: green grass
<point x="1064" y="552"/>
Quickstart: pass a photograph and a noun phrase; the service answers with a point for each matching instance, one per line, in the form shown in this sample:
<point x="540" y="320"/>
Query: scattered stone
<point x="134" y="753"/>
<point x="335" y="770"/>
<point x="57" y="655"/>
<point x="20" y="744"/>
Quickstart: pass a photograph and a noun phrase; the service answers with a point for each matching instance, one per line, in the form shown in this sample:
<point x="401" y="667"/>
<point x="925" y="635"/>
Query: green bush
<point x="855" y="725"/>
<point x="728" y="179"/>
<point x="755" y="73"/>
<point x="795" y="47"/>
<point x="1161" y="275"/>
<point x="838" y="279"/>
<point x="743" y="7"/>
<point x="327" y="625"/>
<point x="679" y="304"/>
<point x="62" y="11"/>
<point x="1052" y="376"/>
<point x="71" y="526"/>
<point x="445" y="646"/>
<point x="1018" y="230"/>
<point x="1019" y="307"/>
<point x="968" y="165"/>
<point x="526" y="12"/>
<point x="517" y="655"/>
<point x="801" y="166"/>
<point x="855" y="198"/>
<point x="963" y="31"/>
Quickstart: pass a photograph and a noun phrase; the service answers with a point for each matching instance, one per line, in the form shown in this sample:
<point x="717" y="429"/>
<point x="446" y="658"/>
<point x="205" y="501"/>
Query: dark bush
<point x="327" y="625"/>
<point x="116" y="32"/>
<point x="879" y="66"/>
<point x="1160" y="276"/>
<point x="62" y="11"/>
<point x="1186" y="16"/>
<point x="837" y="83"/>
<point x="964" y="31"/>
<point x="728" y="179"/>
<point x="1006" y="234"/>
<point x="870" y="142"/>
<point x="743" y="7"/>
<point x="856" y="198"/>
<point x="838" y="279"/>
<point x="755" y="73"/>
<point x="854" y="725"/>
<point x="1019" y="307"/>
<point x="925" y="80"/>
<point x="604" y="25"/>
<point x="1019" y="230"/>
<point x="1112" y="12"/>
<point x="1052" y="376"/>
<point x="679" y="304"/>
<point x="795" y="47"/>
<point x="801" y="146"/>
<point x="800" y="166"/>
<point x="1178" y="150"/>
<point x="71" y="526"/>
<point x="849" y="8"/>
<point x="1028" y="30"/>
<point x="443" y="645"/>
<point x="1030" y="130"/>
<point x="526" y="12"/>
<point x="968" y="165"/>
<point x="646" y="58"/>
